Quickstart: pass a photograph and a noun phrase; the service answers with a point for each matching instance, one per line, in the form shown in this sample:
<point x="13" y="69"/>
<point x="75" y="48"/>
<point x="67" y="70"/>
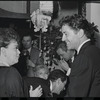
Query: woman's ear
<point x="3" y="51"/>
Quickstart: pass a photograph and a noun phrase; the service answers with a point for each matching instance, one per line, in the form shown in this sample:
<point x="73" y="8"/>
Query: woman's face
<point x="12" y="53"/>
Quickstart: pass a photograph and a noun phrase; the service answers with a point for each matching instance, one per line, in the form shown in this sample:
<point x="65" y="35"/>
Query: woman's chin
<point x="15" y="62"/>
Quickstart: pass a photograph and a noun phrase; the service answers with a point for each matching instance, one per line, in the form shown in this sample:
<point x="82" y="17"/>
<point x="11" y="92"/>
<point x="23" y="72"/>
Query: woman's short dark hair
<point x="6" y="35"/>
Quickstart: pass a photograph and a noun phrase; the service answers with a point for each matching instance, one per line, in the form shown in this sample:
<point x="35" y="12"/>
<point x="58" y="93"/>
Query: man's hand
<point x="60" y="64"/>
<point x="64" y="65"/>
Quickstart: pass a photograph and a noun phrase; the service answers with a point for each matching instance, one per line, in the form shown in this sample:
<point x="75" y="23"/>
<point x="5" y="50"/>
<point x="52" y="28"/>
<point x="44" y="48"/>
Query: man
<point x="64" y="64"/>
<point x="63" y="51"/>
<point x="85" y="71"/>
<point x="29" y="55"/>
<point x="27" y="43"/>
<point x="54" y="84"/>
<point x="58" y="81"/>
<point x="67" y="56"/>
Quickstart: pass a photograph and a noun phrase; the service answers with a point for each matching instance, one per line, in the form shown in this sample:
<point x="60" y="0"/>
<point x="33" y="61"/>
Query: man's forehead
<point x="26" y="37"/>
<point x="60" y="51"/>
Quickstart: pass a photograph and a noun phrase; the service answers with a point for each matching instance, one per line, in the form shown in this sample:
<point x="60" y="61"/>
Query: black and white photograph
<point x="50" y="49"/>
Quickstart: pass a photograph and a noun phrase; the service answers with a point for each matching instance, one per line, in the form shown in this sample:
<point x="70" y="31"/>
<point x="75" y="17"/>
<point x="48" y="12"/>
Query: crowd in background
<point x="76" y="73"/>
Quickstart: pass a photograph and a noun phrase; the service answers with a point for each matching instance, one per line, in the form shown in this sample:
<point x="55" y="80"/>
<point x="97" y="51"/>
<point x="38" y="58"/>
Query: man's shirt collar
<point x="82" y="45"/>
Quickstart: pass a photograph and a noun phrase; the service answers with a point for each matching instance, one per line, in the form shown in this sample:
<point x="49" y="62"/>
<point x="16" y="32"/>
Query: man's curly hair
<point x="77" y="22"/>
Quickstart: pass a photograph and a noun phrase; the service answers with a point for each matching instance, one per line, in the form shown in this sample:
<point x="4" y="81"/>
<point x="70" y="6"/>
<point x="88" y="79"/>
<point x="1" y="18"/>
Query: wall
<point x="64" y="13"/>
<point x="66" y="8"/>
<point x="19" y="6"/>
<point x="34" y="5"/>
<point x="14" y="6"/>
<point x="93" y="15"/>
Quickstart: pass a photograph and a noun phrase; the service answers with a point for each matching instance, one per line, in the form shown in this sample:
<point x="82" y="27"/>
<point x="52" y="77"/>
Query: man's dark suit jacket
<point x="34" y="56"/>
<point x="35" y="82"/>
<point x="85" y="73"/>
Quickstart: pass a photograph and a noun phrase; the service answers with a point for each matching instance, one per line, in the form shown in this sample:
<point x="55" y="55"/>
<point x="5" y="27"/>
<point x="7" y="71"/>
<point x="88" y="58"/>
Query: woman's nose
<point x="63" y="37"/>
<point x="18" y="51"/>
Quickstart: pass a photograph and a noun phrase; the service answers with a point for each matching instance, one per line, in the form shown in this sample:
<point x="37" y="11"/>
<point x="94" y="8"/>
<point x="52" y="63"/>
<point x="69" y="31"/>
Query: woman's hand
<point x="35" y="93"/>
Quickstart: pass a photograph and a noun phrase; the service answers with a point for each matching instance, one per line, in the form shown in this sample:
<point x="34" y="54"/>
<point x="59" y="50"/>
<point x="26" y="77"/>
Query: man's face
<point x="59" y="86"/>
<point x="27" y="42"/>
<point x="66" y="55"/>
<point x="70" y="37"/>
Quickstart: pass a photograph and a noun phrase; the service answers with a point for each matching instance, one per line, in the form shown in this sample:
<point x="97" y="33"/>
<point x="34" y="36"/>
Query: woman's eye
<point x="16" y="48"/>
<point x="66" y="34"/>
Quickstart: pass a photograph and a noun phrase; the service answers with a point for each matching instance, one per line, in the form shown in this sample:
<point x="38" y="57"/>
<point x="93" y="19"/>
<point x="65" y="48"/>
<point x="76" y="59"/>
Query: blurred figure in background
<point x="29" y="55"/>
<point x="37" y="78"/>
<point x="66" y="58"/>
<point x="54" y="84"/>
<point x="41" y="71"/>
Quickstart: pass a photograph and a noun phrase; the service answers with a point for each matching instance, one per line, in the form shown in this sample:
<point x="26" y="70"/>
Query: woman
<point x="11" y="84"/>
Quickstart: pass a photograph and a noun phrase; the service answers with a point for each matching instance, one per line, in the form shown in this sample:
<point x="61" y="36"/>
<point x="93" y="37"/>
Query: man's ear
<point x="59" y="80"/>
<point x="81" y="33"/>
